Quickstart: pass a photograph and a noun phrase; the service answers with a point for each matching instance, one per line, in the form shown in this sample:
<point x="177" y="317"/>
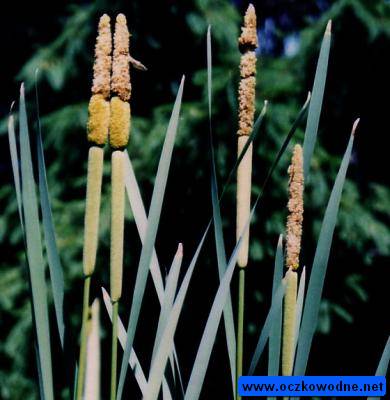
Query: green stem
<point x="240" y="326"/>
<point x="83" y="340"/>
<point x="114" y="349"/>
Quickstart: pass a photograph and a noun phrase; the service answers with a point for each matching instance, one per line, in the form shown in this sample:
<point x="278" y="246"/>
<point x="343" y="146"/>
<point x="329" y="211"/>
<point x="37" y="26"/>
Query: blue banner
<point x="348" y="386"/>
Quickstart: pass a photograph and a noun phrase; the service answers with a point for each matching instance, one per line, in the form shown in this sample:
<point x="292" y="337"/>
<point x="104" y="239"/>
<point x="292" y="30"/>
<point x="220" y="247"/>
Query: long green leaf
<point x="218" y="232"/>
<point x="320" y="262"/>
<point x="150" y="236"/>
<point x="273" y="313"/>
<point x="133" y="361"/>
<point x="169" y="297"/>
<point x="55" y="267"/>
<point x="166" y="343"/>
<point x="141" y="221"/>
<point x="15" y="166"/>
<point x="139" y="213"/>
<point x="313" y="117"/>
<point x="210" y="331"/>
<point x="276" y="329"/>
<point x="383" y="364"/>
<point x="34" y="254"/>
<point x="208" y="338"/>
<point x="384" y="361"/>
<point x="300" y="301"/>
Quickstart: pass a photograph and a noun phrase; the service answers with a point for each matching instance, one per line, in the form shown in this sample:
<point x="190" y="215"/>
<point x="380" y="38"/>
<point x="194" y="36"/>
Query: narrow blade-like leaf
<point x="15" y="166"/>
<point x="313" y="117"/>
<point x="169" y="296"/>
<point x="150" y="236"/>
<point x="218" y="232"/>
<point x="141" y="221"/>
<point x="139" y="213"/>
<point x="35" y="254"/>
<point x="320" y="262"/>
<point x="383" y="364"/>
<point x="274" y="311"/>
<point x="133" y="361"/>
<point x="276" y="328"/>
<point x="300" y="300"/>
<point x="55" y="267"/>
<point x="166" y="343"/>
<point x="208" y="338"/>
<point x="210" y="331"/>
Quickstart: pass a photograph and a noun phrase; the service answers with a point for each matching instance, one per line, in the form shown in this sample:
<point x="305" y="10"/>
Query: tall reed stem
<point x="240" y="326"/>
<point x="114" y="350"/>
<point x="83" y="340"/>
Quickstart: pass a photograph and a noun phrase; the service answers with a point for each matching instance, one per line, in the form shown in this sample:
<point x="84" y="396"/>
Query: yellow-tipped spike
<point x="117" y="223"/>
<point x="120" y="86"/>
<point x="99" y="108"/>
<point x="289" y="321"/>
<point x="295" y="208"/>
<point x="119" y="123"/>
<point x="92" y="208"/>
<point x="98" y="121"/>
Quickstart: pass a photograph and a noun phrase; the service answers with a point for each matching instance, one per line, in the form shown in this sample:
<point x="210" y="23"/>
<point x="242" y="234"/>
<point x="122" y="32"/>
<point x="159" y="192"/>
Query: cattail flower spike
<point x="97" y="133"/>
<point x="293" y="248"/>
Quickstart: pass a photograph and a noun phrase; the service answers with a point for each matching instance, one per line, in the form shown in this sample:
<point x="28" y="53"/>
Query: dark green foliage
<point x="171" y="41"/>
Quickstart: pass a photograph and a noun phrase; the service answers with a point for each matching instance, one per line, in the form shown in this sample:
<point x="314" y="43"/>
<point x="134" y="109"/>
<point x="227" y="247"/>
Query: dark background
<point x="169" y="37"/>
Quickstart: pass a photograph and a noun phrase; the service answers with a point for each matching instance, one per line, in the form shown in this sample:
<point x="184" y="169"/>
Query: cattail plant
<point x="246" y="93"/>
<point x="92" y="370"/>
<point x="119" y="137"/>
<point x="98" y="122"/>
<point x="293" y="248"/>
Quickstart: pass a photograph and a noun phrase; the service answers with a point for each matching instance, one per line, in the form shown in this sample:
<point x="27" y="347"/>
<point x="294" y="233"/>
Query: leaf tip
<point x="280" y="240"/>
<point x="180" y="249"/>
<point x="22" y="90"/>
<point x="355" y="125"/>
<point x="328" y="30"/>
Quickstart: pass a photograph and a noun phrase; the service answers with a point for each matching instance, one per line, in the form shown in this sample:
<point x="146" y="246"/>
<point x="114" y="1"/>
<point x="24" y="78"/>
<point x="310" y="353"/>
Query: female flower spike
<point x="295" y="208"/>
<point x="246" y="99"/>
<point x="293" y="248"/>
<point x="120" y="86"/>
<point x="99" y="108"/>
<point x="247" y="43"/>
<point x="97" y="133"/>
<point x="119" y="138"/>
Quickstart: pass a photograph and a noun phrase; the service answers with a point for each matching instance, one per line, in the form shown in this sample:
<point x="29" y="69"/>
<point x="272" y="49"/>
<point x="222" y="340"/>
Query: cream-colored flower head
<point x="120" y="80"/>
<point x="246" y="91"/>
<point x="102" y="64"/>
<point x="99" y="108"/>
<point x="248" y="38"/>
<point x="295" y="208"/>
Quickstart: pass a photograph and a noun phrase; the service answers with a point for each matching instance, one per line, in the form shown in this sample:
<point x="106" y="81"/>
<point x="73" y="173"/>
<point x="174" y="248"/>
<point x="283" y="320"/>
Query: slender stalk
<point x="248" y="43"/>
<point x="289" y="320"/>
<point x="293" y="248"/>
<point x="92" y="369"/>
<point x="83" y="339"/>
<point x="114" y="350"/>
<point x="240" y="326"/>
<point x="119" y="138"/>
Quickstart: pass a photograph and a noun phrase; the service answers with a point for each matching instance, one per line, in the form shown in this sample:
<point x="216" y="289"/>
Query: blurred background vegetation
<point x="169" y="37"/>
